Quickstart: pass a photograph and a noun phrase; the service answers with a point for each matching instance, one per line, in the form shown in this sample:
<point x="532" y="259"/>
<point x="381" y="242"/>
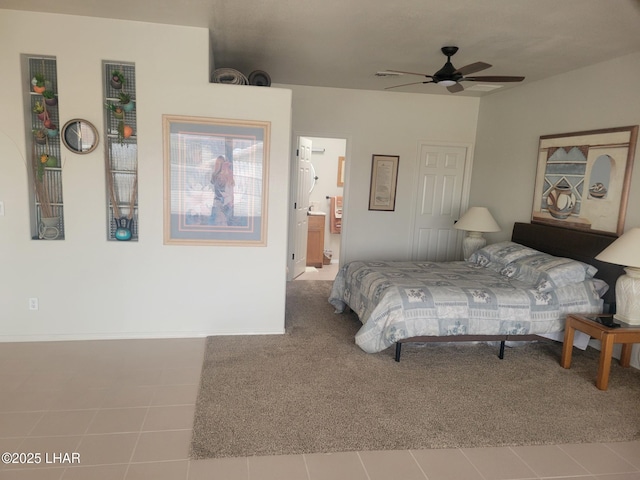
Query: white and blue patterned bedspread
<point x="397" y="300"/>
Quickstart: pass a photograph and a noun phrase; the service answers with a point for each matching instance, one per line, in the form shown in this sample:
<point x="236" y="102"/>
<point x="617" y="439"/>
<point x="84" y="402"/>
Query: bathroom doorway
<point x="325" y="198"/>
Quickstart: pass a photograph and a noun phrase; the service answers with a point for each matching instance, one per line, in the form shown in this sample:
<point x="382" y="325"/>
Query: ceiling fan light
<point x="446" y="83"/>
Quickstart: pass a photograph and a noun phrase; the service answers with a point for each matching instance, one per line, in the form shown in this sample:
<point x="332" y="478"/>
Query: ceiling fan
<point x="450" y="76"/>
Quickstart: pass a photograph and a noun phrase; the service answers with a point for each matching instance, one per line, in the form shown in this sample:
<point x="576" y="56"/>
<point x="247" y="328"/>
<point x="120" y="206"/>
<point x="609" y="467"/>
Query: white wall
<point x="91" y="288"/>
<point x="387" y="123"/>
<point x="510" y="124"/>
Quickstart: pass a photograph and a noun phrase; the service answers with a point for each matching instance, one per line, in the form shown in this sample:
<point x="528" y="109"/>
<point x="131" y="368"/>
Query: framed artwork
<point x="341" y="171"/>
<point x="215" y="181"/>
<point x="384" y="179"/>
<point x="583" y="179"/>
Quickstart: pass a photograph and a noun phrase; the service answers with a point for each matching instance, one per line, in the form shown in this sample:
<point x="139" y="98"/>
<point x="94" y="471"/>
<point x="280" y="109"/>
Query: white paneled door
<point x="301" y="206"/>
<point x="440" y="191"/>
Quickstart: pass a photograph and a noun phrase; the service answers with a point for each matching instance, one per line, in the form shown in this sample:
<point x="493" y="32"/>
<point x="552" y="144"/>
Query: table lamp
<point x="475" y="221"/>
<point x="625" y="251"/>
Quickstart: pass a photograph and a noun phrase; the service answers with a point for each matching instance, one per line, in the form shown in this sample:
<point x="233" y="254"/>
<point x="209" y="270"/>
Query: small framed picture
<point x="384" y="179"/>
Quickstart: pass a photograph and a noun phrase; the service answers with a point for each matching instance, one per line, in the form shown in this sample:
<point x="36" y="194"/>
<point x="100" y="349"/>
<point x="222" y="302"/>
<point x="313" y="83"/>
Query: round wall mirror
<point x="79" y="136"/>
<point x="314" y="177"/>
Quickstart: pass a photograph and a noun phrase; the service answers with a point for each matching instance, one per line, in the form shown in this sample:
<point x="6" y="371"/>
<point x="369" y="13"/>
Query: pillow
<point x="501" y="253"/>
<point x="601" y="286"/>
<point x="546" y="272"/>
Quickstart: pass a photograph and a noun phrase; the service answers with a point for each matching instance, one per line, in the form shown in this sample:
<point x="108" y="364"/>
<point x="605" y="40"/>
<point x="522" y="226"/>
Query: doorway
<point x="325" y="176"/>
<point x="443" y="189"/>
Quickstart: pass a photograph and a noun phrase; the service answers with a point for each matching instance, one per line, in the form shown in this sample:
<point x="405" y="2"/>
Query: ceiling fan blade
<point x="473" y="68"/>
<point x="455" y="88"/>
<point x="410" y="73"/>
<point x="406" y="85"/>
<point x="490" y="78"/>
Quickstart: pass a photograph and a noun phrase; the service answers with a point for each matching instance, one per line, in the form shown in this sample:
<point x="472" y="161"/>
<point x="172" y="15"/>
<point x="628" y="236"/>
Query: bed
<point x="508" y="291"/>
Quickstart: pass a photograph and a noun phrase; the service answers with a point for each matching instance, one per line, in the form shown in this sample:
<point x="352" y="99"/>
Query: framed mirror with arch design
<point x="80" y="136"/>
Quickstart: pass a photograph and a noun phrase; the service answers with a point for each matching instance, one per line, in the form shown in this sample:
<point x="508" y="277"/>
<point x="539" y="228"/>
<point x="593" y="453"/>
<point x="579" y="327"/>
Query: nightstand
<point x="627" y="336"/>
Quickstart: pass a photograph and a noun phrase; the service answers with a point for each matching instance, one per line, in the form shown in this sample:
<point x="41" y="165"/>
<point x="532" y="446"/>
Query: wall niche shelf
<point x="42" y="122"/>
<point x="121" y="150"/>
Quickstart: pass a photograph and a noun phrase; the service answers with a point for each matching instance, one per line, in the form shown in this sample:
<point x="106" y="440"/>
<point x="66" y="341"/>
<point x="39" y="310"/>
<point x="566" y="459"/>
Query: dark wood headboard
<point x="577" y="244"/>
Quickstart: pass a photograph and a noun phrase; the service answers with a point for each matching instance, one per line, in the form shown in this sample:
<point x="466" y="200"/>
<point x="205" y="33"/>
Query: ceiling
<point x="343" y="43"/>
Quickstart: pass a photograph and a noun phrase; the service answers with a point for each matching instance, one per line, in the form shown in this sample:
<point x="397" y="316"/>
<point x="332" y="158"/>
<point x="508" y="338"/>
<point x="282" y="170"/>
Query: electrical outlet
<point x="33" y="303"/>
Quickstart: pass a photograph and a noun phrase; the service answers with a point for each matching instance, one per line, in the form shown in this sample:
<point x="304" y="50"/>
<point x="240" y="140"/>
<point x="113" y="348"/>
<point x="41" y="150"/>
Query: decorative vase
<point x="51" y="101"/>
<point x="48" y="228"/>
<point x="38" y="89"/>
<point x="116" y="84"/>
<point x="129" y="106"/>
<point x="41" y="140"/>
<point x="42" y="115"/>
<point x="124" y="228"/>
<point x="118" y="113"/>
<point x="52" y="132"/>
<point x="561" y="200"/>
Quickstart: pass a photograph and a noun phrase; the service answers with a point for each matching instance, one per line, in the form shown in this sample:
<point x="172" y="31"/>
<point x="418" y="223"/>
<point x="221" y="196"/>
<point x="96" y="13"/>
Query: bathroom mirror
<point x="314" y="177"/>
<point x="79" y="136"/>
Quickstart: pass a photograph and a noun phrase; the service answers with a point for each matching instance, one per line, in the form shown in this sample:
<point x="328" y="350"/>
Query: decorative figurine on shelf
<point x="126" y="101"/>
<point x="50" y="98"/>
<point x="123" y="223"/>
<point x="116" y="110"/>
<point x="40" y="136"/>
<point x="39" y="83"/>
<point x="40" y="110"/>
<point x="117" y="79"/>
<point x="48" y="228"/>
<point x="124" y="228"/>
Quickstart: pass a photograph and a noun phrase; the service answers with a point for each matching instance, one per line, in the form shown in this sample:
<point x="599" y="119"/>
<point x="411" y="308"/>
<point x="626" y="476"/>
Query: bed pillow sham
<point x="501" y="254"/>
<point x="546" y="272"/>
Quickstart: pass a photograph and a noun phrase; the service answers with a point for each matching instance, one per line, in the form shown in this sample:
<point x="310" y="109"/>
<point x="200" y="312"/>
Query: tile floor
<point x="122" y="409"/>
<point x="327" y="272"/>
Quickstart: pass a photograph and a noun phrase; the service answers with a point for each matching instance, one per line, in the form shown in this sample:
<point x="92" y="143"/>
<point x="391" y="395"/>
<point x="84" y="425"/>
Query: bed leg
<point x="501" y="354"/>
<point x="398" y="348"/>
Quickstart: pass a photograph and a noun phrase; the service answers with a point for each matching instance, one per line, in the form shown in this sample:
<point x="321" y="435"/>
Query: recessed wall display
<point x="215" y="184"/>
<point x="80" y="136"/>
<point x="121" y="150"/>
<point x="43" y="140"/>
<point x="583" y="179"/>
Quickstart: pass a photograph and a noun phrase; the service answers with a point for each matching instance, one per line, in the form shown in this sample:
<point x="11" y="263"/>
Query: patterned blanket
<point x="397" y="300"/>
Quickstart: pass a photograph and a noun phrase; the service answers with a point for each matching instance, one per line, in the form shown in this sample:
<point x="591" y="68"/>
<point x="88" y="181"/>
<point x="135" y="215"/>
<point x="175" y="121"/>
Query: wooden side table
<point x="627" y="336"/>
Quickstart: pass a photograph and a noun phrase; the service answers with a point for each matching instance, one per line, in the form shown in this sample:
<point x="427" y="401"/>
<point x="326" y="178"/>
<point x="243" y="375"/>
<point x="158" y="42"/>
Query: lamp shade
<point x="477" y="219"/>
<point x="624" y="251"/>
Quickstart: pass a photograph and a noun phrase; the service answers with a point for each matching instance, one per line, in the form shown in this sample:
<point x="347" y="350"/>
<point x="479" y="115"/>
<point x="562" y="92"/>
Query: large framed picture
<point x="583" y="179"/>
<point x="384" y="179"/>
<point x="215" y="181"/>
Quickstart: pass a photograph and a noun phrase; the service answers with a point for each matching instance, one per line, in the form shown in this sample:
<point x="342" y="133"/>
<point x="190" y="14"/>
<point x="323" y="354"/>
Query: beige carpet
<point x="313" y="390"/>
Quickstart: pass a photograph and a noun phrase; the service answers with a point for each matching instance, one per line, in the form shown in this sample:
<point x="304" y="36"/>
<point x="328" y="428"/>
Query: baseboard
<point x="123" y="336"/>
